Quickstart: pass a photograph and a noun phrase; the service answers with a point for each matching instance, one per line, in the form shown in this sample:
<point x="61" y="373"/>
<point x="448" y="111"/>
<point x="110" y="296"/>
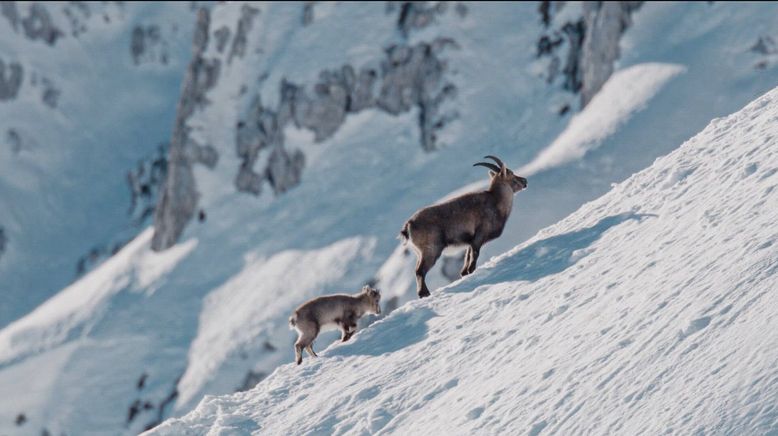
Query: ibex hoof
<point x="423" y="294"/>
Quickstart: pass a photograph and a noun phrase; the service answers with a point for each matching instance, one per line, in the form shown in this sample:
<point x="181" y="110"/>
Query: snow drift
<point x="650" y="310"/>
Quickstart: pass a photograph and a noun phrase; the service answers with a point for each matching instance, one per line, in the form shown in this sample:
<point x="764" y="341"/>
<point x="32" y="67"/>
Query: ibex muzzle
<point x="471" y="219"/>
<point x="341" y="311"/>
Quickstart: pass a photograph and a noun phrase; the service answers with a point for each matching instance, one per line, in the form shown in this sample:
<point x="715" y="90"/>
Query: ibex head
<point x="373" y="296"/>
<point x="503" y="174"/>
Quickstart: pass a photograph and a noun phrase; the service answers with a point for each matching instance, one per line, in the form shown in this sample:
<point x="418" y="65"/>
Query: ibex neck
<point x="504" y="194"/>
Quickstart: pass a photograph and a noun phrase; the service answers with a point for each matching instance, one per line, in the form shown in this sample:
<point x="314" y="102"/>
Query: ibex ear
<point x="492" y="174"/>
<point x="366" y="289"/>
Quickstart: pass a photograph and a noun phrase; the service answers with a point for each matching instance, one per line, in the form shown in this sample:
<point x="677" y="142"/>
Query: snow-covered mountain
<point x="651" y="310"/>
<point x="306" y="133"/>
<point x="87" y="95"/>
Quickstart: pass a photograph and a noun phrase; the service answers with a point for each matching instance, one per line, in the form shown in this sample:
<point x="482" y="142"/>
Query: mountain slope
<point x="87" y="95"/>
<point x="649" y="310"/>
<point x="295" y="180"/>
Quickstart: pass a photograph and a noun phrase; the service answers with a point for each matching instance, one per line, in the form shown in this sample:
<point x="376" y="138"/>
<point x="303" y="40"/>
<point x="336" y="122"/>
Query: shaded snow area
<point x="305" y="134"/>
<point x="87" y="97"/>
<point x="651" y="310"/>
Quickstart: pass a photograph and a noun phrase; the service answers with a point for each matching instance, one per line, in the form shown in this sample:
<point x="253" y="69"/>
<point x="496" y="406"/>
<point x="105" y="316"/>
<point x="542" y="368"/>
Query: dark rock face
<point x="765" y="45"/>
<point x="413" y="76"/>
<point x="9" y="11"/>
<point x="13" y="138"/>
<point x="308" y="13"/>
<point x="147" y="45"/>
<point x="178" y="200"/>
<point x="144" y="183"/>
<point x="605" y="23"/>
<point x="38" y="25"/>
<point x="416" y="14"/>
<point x="591" y="43"/>
<point x="11" y="75"/>
<point x="3" y="241"/>
<point x="245" y="23"/>
<point x="410" y="76"/>
<point x="77" y="14"/>
<point x="222" y="35"/>
<point x="50" y="95"/>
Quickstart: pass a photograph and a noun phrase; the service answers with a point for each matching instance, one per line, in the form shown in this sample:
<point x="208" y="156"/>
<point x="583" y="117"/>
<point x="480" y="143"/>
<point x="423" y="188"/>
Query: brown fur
<point x="471" y="219"/>
<point x="339" y="310"/>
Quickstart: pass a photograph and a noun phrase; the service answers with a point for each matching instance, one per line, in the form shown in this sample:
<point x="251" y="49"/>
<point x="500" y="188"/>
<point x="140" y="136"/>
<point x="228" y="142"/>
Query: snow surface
<point x="211" y="321"/>
<point x="650" y="310"/>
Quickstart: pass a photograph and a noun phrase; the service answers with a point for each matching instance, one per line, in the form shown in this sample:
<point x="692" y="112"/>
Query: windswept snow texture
<point x="651" y="310"/>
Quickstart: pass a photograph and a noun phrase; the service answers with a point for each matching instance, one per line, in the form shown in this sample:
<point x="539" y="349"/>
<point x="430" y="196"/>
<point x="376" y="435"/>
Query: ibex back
<point x="471" y="219"/>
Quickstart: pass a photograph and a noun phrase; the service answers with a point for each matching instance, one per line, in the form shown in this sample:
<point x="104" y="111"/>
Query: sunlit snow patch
<point x="625" y="93"/>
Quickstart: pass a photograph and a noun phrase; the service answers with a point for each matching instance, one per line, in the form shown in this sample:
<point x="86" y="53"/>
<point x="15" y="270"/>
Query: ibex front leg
<point x="466" y="265"/>
<point x="474" y="250"/>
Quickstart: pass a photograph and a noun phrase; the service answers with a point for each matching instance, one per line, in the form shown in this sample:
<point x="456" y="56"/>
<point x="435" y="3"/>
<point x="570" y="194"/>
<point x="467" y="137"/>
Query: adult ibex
<point x="340" y="311"/>
<point x="471" y="219"/>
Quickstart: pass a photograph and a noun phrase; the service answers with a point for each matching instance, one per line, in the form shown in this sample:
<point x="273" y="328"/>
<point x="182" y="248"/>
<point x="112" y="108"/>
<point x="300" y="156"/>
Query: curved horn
<point x="491" y="166"/>
<point x="496" y="159"/>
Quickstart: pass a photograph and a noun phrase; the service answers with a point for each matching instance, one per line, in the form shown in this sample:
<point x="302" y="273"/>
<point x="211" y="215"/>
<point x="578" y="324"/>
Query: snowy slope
<point x="87" y="92"/>
<point x="650" y="310"/>
<point x="147" y="334"/>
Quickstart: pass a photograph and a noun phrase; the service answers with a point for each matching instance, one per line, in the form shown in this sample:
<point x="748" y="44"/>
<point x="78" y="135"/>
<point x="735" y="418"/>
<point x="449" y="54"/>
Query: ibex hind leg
<point x="307" y="333"/>
<point x="426" y="260"/>
<point x="310" y="351"/>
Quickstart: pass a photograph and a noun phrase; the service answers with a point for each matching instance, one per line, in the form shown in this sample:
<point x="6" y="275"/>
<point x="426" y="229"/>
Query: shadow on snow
<point x="545" y="257"/>
<point x="389" y="335"/>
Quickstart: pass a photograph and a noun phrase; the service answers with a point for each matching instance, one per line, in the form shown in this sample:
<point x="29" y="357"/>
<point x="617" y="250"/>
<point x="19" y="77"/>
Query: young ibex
<point x="471" y="219"/>
<point x="340" y="311"/>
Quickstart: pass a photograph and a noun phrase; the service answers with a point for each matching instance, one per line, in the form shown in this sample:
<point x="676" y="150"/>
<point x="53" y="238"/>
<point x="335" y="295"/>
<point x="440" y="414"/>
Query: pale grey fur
<point x="339" y="310"/>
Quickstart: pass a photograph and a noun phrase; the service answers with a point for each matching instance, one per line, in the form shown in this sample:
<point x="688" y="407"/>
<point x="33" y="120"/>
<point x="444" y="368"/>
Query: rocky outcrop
<point x="38" y="25"/>
<point x="222" y="35"/>
<point x="148" y="46"/>
<point x="409" y="77"/>
<point x="11" y="75"/>
<point x="144" y="183"/>
<point x="590" y="44"/>
<point x="605" y="23"/>
<point x="416" y="14"/>
<point x="178" y="200"/>
<point x="245" y="23"/>
<point x="413" y="77"/>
